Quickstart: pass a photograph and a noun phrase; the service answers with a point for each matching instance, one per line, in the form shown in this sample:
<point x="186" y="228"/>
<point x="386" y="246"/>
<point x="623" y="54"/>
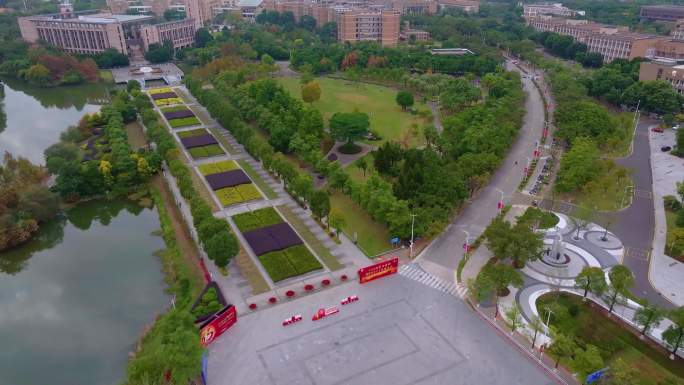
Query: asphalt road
<point x="400" y="332"/>
<point x="635" y="224"/>
<point x="447" y="249"/>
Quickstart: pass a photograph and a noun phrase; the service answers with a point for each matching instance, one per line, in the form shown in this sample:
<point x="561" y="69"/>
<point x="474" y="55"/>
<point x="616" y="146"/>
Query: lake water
<point x="75" y="298"/>
<point x="36" y="116"/>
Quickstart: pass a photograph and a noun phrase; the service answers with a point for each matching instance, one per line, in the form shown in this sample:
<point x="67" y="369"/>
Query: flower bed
<point x="257" y="219"/>
<point x="180" y="116"/>
<point x="215" y="168"/>
<point x="238" y="194"/>
<point x="252" y="306"/>
<point x="308" y="287"/>
<point x="290" y="293"/>
<point x="291" y="262"/>
<point x="184" y="122"/>
<point x="164" y="96"/>
<point x="206" y="151"/>
<point x="191" y="133"/>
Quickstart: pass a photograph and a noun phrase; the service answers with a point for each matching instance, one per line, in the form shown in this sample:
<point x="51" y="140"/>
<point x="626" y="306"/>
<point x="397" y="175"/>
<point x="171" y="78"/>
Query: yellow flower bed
<point x="168" y="101"/>
<point x="233" y="195"/>
<point x="215" y="168"/>
<point x="160" y="90"/>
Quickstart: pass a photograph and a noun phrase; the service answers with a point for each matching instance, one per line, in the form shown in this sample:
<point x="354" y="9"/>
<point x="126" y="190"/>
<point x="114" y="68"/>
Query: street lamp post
<point x="500" y="205"/>
<point x="466" y="247"/>
<point x="413" y="221"/>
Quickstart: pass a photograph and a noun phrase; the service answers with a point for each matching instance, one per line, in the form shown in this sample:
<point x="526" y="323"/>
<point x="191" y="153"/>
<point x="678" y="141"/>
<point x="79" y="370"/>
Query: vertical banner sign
<point x="378" y="270"/>
<point x="217" y="325"/>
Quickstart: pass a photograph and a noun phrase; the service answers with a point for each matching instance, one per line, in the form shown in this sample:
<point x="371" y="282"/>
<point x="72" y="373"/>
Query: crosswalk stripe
<point x="417" y="274"/>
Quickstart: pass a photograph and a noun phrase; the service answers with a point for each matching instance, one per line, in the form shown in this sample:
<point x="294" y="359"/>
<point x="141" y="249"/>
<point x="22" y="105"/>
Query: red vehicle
<point x="350" y="299"/>
<point x="657" y="129"/>
<point x="291" y="320"/>
<point x="322" y="313"/>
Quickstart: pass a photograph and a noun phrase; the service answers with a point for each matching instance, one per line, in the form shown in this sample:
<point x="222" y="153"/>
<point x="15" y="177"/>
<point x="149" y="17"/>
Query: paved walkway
<point x="666" y="273"/>
<point x="346" y="253"/>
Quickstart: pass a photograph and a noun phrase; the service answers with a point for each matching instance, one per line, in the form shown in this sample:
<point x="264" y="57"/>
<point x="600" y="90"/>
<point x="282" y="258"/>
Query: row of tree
<point x="214" y="234"/>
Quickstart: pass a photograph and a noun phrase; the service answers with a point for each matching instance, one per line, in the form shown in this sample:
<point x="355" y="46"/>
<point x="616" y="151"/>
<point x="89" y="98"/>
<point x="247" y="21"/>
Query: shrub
<point x="671" y="203"/>
<point x="301" y="259"/>
<point x="277" y="266"/>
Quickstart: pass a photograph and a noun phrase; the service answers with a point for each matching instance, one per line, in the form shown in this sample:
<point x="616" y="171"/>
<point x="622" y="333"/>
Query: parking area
<point x="399" y="332"/>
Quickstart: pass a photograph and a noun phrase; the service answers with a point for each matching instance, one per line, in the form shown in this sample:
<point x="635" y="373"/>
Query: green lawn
<point x="592" y="326"/>
<point x="291" y="262"/>
<point x="605" y="193"/>
<point x="386" y="117"/>
<point x="263" y="186"/>
<point x="323" y="253"/>
<point x="373" y="237"/>
<point x="674" y="252"/>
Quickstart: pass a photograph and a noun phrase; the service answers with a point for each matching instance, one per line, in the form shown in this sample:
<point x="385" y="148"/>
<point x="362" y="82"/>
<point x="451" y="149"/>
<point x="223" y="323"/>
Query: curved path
<point x="445" y="252"/>
<point x="635" y="224"/>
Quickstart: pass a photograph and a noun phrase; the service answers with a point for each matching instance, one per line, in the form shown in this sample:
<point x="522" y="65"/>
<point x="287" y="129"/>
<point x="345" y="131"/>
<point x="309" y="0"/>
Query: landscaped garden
<point x="200" y="143"/>
<point x="674" y="214"/>
<point x="164" y="96"/>
<point x="538" y="218"/>
<point x="230" y="184"/>
<point x="280" y="250"/>
<point x="180" y="116"/>
<point x="387" y="119"/>
<point x="588" y="324"/>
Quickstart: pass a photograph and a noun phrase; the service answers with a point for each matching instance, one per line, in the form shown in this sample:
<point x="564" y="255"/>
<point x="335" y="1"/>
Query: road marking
<point x="415" y="273"/>
<point x="642" y="255"/>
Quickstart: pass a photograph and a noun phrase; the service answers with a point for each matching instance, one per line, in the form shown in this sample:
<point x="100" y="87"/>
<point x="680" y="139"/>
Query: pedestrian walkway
<point x="414" y="272"/>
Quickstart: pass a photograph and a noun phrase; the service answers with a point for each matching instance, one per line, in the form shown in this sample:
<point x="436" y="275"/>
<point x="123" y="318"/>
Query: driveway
<point x="445" y="251"/>
<point x="635" y="224"/>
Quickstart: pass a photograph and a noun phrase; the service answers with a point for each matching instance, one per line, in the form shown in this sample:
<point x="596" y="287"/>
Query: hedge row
<point x="214" y="234"/>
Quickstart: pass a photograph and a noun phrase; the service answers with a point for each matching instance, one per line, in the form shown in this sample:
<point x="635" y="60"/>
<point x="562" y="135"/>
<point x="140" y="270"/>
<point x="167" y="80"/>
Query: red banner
<point x="378" y="270"/>
<point x="217" y="325"/>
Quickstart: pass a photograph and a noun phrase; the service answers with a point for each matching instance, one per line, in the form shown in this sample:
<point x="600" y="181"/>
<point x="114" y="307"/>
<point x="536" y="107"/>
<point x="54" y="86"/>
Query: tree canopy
<point x="349" y="126"/>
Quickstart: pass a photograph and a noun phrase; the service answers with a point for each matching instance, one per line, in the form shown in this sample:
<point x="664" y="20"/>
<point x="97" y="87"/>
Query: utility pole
<point x="413" y="221"/>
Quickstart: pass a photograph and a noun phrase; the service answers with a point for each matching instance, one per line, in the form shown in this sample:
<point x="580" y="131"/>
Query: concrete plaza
<point x="399" y="332"/>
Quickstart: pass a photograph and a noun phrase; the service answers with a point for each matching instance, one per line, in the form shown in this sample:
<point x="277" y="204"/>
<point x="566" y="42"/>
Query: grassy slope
<point x="605" y="193"/>
<point x="591" y="326"/>
<point x="373" y="238"/>
<point x="386" y="116"/>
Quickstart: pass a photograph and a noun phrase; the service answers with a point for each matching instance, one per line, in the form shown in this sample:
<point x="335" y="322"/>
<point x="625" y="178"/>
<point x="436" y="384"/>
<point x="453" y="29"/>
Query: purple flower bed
<point x="271" y="238"/>
<point x="179" y="114"/>
<point x="198" y="141"/>
<point x="164" y="95"/>
<point x="227" y="179"/>
<point x="261" y="241"/>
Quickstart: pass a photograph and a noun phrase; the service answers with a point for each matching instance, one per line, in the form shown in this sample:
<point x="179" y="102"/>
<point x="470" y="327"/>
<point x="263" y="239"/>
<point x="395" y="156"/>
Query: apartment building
<point x="181" y="33"/>
<point x="612" y="44"/>
<point x="368" y="25"/>
<point x="555" y="9"/>
<point x="665" y="69"/>
<point x="662" y="12"/>
<point x="610" y="41"/>
<point x="467" y="6"/>
<point x="427" y="7"/>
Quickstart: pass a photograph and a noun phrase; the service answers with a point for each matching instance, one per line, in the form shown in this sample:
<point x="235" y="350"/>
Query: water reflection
<point x="74" y="299"/>
<point x="36" y="116"/>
